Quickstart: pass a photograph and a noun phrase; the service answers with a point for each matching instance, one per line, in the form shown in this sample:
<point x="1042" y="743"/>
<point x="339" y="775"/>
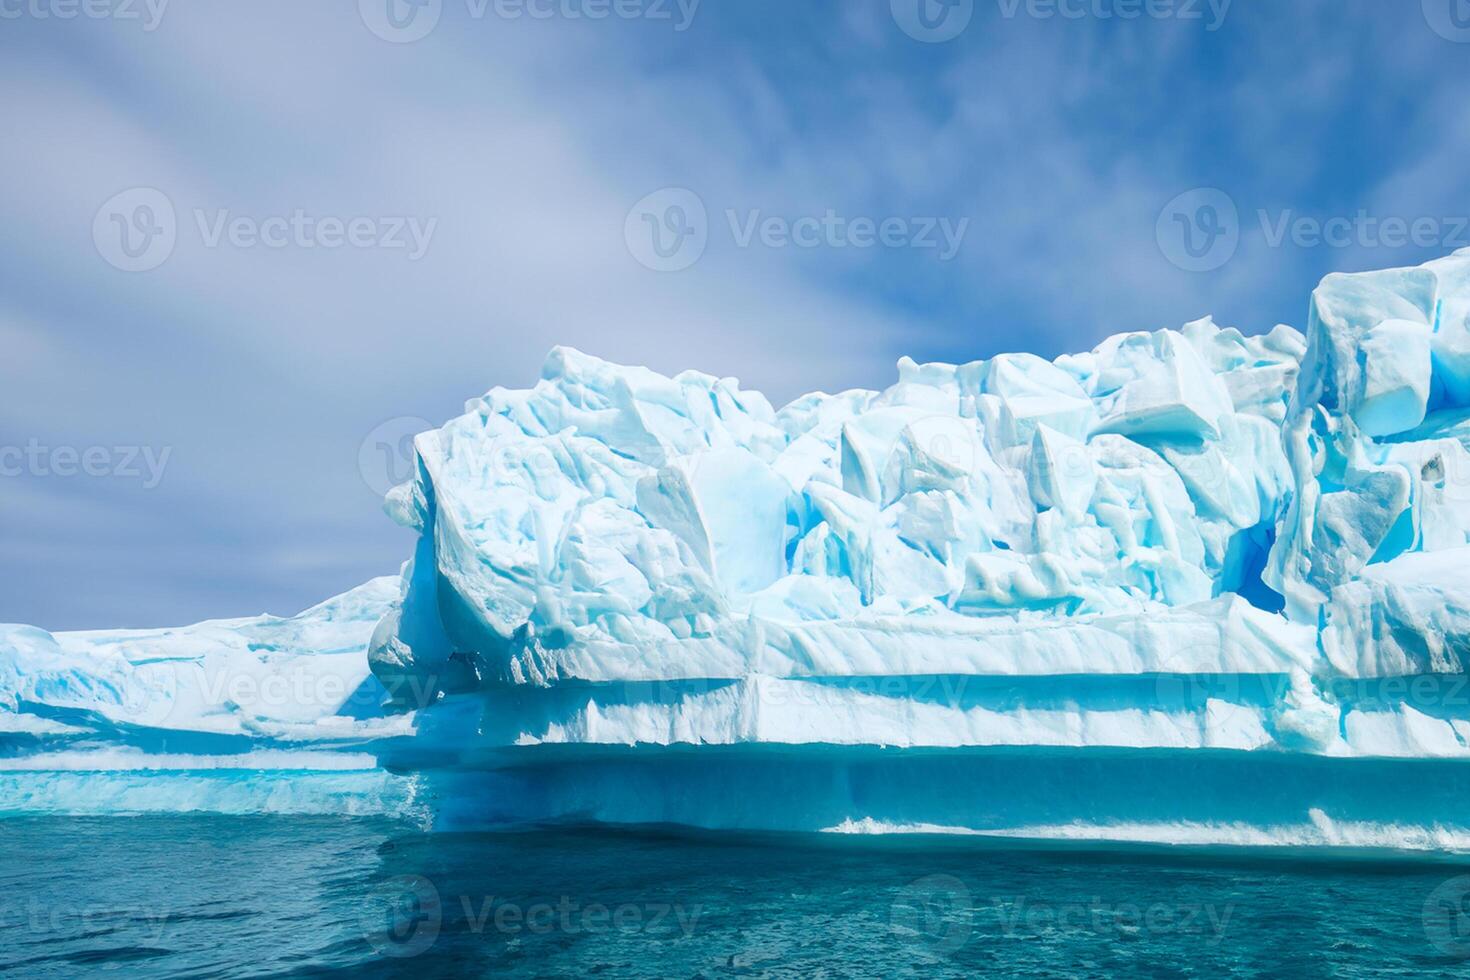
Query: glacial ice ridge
<point x="1189" y="578"/>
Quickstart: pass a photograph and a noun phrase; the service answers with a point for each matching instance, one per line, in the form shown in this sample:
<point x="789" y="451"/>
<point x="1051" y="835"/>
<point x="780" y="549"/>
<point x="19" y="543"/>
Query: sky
<point x="249" y="248"/>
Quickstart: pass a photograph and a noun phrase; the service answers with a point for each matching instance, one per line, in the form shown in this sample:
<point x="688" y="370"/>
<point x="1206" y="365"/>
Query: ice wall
<point x="612" y="524"/>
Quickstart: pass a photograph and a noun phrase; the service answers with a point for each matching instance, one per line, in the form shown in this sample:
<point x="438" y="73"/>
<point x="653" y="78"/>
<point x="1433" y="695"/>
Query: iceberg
<point x="1192" y="585"/>
<point x="239" y="716"/>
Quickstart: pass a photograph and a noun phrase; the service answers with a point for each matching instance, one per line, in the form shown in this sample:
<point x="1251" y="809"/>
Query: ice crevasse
<point x="1190" y="586"/>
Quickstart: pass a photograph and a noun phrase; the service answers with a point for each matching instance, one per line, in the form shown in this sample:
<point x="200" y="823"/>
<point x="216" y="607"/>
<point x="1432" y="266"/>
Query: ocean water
<point x="213" y="896"/>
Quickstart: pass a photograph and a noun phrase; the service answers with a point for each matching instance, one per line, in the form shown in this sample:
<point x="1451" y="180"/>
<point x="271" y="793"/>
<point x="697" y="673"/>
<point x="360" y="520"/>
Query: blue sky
<point x="205" y="437"/>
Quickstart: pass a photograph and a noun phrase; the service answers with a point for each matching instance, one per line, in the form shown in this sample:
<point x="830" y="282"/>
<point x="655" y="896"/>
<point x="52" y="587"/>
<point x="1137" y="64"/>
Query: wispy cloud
<point x="526" y="142"/>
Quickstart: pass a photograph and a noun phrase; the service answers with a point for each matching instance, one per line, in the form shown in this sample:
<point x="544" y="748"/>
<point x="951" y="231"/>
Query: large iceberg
<point x="1192" y="585"/>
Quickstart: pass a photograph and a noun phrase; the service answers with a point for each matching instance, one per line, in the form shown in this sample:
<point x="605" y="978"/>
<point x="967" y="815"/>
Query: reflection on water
<point x="220" y="896"/>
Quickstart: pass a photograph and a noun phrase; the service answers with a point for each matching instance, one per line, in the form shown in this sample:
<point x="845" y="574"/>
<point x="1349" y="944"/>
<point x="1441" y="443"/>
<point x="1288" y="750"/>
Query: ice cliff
<point x="1191" y="585"/>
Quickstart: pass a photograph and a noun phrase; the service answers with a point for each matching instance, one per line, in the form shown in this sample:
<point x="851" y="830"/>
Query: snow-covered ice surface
<point x="1189" y="583"/>
<point x="244" y="715"/>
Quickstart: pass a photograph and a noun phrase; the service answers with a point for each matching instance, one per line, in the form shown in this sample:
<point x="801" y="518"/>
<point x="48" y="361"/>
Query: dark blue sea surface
<point x="282" y="896"/>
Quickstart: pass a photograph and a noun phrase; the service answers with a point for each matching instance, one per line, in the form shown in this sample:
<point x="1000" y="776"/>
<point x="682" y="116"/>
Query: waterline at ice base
<point x="1191" y="587"/>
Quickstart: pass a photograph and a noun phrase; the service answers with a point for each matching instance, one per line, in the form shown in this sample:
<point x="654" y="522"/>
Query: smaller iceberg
<point x="240" y="716"/>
